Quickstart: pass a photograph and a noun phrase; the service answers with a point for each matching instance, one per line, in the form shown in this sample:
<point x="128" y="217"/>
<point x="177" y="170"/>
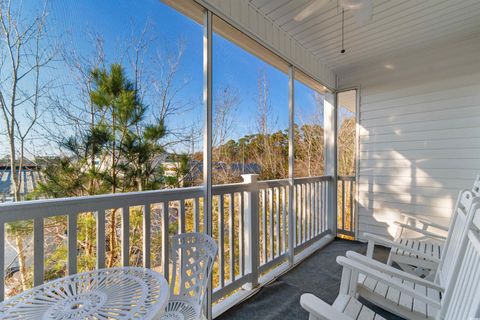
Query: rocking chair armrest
<point x="421" y="231"/>
<point x="378" y="240"/>
<point x="386" y="279"/>
<point x="384" y="268"/>
<point x="426" y="222"/>
<point x="319" y="309"/>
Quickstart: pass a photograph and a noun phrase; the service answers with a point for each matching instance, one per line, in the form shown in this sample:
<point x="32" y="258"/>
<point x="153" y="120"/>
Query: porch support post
<point x="251" y="232"/>
<point x="207" y="139"/>
<point x="291" y="123"/>
<point x="330" y="136"/>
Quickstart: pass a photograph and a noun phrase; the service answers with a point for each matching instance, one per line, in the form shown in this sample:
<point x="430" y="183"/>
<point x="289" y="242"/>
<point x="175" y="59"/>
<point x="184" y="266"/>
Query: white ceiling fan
<point x="362" y="10"/>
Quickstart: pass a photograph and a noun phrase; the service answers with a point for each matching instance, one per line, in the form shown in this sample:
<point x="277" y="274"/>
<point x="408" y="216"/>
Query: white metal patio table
<point x="113" y="293"/>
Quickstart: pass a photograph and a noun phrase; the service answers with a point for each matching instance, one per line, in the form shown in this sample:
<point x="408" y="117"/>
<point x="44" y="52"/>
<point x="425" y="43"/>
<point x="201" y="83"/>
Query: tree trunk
<point x="112" y="239"/>
<point x="14" y="188"/>
<point x="21" y="262"/>
<point x="114" y="174"/>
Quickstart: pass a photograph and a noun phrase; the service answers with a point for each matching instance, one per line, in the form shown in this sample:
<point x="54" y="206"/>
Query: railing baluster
<point x="101" y="239"/>
<point x="303" y="198"/>
<point x="270" y="220"/>
<point x="2" y="261"/>
<point x="264" y="225"/>
<point x="310" y="211"/>
<point x="351" y="207"/>
<point x="308" y="189"/>
<point x="165" y="242"/>
<point x="278" y="221"/>
<point x="322" y="205"/>
<point x="241" y="230"/>
<point x="325" y="205"/>
<point x="307" y="211"/>
<point x="315" y="209"/>
<point x="299" y="212"/>
<point x="181" y="217"/>
<point x="146" y="235"/>
<point x="319" y="207"/>
<point x="196" y="215"/>
<point x="72" y="244"/>
<point x="284" y="215"/>
<point x="251" y="230"/>
<point x="125" y="239"/>
<point x="343" y="205"/>
<point x="312" y="207"/>
<point x="221" y="249"/>
<point x="231" y="236"/>
<point x="38" y="251"/>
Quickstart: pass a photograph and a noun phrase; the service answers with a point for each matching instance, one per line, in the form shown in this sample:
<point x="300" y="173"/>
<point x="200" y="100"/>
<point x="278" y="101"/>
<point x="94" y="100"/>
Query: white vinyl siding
<point x="419" y="133"/>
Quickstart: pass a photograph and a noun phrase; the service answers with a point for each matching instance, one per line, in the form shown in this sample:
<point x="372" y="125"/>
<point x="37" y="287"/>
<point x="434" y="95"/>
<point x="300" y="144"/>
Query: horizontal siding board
<point x="383" y="208"/>
<point x="417" y="182"/>
<point x="408" y="190"/>
<point x="447" y="134"/>
<point x="464" y="121"/>
<point x="416" y="173"/>
<point x="464" y="153"/>
<point x="420" y="164"/>
<point x="420" y="93"/>
<point x="445" y="144"/>
<point x="425" y="116"/>
<point x="442" y="200"/>
<point x="421" y="107"/>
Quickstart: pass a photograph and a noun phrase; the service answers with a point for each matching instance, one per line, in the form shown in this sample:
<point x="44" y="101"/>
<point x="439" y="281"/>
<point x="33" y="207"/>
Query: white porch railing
<point x="346" y="206"/>
<point x="251" y="225"/>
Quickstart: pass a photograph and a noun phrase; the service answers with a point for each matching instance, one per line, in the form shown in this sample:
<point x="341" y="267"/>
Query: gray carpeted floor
<point x="319" y="274"/>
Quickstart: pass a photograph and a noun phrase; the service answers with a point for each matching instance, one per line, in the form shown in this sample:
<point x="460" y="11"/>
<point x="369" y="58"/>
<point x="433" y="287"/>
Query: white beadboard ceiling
<point x="396" y="25"/>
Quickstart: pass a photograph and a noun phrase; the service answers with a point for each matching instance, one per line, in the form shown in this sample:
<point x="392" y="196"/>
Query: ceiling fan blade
<point x="310" y="9"/>
<point x="364" y="13"/>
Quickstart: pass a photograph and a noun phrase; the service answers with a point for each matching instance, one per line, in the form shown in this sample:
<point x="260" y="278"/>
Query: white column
<point x="207" y="138"/>
<point x="252" y="242"/>
<point x="291" y="166"/>
<point x="330" y="123"/>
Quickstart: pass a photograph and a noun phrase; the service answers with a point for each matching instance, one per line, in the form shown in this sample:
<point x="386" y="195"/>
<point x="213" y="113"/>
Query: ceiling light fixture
<point x="389" y="66"/>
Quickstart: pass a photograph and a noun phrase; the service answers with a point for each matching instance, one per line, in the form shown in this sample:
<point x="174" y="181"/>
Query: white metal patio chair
<point x="192" y="256"/>
<point x="419" y="255"/>
<point x="405" y="294"/>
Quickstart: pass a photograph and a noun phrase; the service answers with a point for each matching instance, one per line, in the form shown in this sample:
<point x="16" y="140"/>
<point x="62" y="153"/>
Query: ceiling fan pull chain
<point x="343" y="21"/>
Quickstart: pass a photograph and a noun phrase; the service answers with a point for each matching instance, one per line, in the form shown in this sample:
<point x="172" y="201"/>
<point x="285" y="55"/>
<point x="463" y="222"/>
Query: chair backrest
<point x="192" y="256"/>
<point x="461" y="299"/>
<point x="476" y="186"/>
<point x="462" y="216"/>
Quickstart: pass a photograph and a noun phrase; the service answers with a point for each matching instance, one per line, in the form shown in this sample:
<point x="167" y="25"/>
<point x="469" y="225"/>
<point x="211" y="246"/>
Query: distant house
<point x="30" y="177"/>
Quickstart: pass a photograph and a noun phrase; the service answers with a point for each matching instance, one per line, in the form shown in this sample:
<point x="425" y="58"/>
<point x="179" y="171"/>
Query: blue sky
<point x="72" y="22"/>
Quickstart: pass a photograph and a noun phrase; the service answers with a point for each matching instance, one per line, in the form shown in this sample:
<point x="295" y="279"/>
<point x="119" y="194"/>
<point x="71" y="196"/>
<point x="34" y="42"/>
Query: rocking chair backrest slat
<point x="451" y="252"/>
<point x="192" y="256"/>
<point x="462" y="297"/>
<point x="476" y="186"/>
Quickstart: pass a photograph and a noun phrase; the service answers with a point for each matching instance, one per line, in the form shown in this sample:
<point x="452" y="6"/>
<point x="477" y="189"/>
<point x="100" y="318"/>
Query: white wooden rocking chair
<point x="422" y="254"/>
<point x="192" y="255"/>
<point x="405" y="294"/>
